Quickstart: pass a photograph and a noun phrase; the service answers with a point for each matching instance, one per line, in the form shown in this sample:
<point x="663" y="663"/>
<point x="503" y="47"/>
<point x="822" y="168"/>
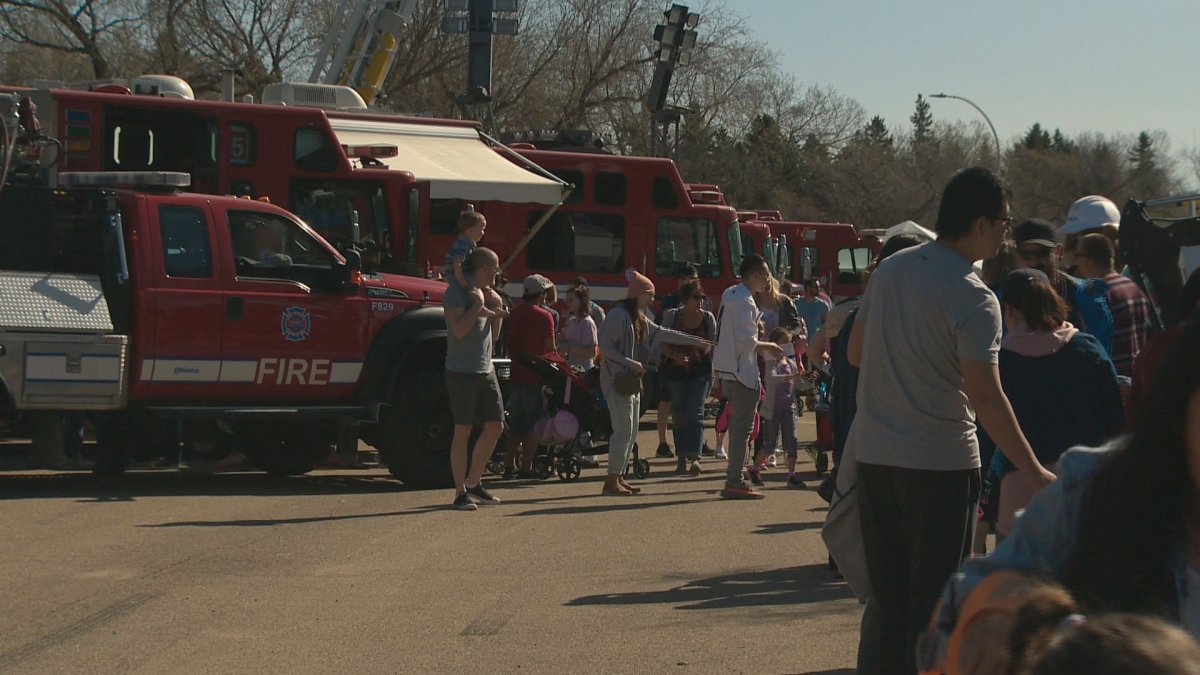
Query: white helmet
<point x="1091" y="213"/>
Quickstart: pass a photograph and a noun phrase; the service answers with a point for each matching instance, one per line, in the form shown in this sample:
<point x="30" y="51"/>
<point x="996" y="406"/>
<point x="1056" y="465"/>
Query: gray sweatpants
<point x="624" y="412"/>
<point x="742" y="402"/>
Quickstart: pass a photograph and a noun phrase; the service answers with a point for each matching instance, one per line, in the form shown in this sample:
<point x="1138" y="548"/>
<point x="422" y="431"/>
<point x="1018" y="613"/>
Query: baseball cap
<point x="1018" y="281"/>
<point x="535" y="283"/>
<point x="1035" y="231"/>
<point x="1090" y="213"/>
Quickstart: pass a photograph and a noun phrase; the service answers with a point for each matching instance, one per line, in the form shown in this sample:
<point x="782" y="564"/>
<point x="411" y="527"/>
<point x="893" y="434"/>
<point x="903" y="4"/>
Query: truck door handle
<point x="235" y="309"/>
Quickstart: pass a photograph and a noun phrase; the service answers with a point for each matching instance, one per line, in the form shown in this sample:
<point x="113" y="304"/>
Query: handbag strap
<point x="567" y="397"/>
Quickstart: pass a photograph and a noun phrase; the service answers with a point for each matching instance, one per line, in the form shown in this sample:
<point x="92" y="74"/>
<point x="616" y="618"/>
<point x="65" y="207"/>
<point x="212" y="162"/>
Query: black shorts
<point x="524" y="407"/>
<point x="474" y="398"/>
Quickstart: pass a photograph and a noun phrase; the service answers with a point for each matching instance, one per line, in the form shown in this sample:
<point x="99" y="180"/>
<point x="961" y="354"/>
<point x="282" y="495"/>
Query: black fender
<point x="416" y="334"/>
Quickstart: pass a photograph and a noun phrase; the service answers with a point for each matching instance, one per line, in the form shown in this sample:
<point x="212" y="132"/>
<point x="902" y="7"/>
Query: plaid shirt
<point x="1131" y="321"/>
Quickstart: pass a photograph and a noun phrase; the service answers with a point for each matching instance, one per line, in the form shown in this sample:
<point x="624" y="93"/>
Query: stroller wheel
<point x="641" y="468"/>
<point x="495" y="467"/>
<point x="542" y="466"/>
<point x="569" y="469"/>
<point x="822" y="463"/>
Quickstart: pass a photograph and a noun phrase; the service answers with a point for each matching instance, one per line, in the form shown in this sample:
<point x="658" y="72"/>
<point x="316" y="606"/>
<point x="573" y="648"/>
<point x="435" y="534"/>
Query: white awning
<point x="455" y="160"/>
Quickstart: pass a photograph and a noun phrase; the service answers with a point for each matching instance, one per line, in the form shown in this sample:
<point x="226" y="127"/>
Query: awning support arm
<point x="525" y="162"/>
<point x="530" y="234"/>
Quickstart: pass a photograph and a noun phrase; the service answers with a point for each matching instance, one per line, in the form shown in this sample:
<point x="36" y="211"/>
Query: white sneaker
<point x="721" y="453"/>
<point x="773" y="461"/>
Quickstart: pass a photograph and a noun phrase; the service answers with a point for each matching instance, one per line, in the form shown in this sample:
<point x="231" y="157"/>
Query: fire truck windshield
<point x="734" y="235"/>
<point x="683" y="241"/>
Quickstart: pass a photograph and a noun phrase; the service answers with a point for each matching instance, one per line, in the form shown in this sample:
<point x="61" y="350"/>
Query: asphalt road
<point x="346" y="571"/>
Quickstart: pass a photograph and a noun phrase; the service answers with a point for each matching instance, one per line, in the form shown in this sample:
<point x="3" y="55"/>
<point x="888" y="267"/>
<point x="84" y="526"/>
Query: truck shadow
<point x="783" y="586"/>
<point x="85" y="487"/>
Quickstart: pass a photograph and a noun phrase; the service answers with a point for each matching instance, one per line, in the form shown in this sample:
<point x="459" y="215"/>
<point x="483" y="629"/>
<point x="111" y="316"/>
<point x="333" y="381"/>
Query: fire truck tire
<point x="415" y="430"/>
<point x="282" y="449"/>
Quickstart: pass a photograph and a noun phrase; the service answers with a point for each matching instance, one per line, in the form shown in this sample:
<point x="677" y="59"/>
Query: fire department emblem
<point x="295" y="324"/>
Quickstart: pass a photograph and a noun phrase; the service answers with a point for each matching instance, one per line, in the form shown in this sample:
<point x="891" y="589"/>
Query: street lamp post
<point x="995" y="136"/>
<point x="675" y="41"/>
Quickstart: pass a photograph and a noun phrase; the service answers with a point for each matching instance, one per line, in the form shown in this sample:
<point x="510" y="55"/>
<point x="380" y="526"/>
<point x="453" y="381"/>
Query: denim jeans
<point x="687" y="413"/>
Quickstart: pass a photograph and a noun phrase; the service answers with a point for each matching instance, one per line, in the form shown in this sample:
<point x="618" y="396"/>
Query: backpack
<point x="1091" y="303"/>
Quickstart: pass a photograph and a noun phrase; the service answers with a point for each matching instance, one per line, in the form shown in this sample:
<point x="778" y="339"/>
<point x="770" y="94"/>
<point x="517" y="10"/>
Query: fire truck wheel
<point x="415" y="430"/>
<point x="282" y="449"/>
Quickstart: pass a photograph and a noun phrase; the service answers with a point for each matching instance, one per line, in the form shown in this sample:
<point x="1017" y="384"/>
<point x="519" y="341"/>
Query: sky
<point x="1104" y="65"/>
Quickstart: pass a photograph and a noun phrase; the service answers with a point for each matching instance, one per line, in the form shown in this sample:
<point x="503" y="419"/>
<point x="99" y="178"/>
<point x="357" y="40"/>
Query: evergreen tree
<point x="876" y="133"/>
<point x="922" y="121"/>
<point x="1142" y="155"/>
<point x="814" y="149"/>
<point x="1146" y="177"/>
<point x="1061" y="144"/>
<point x="1036" y="138"/>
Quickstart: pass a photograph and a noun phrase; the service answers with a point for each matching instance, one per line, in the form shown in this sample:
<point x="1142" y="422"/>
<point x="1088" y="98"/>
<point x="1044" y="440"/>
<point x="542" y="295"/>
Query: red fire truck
<point x="395" y="185"/>
<point x="382" y="182"/>
<point x="833" y="252"/>
<point x="623" y="212"/>
<point x="130" y="296"/>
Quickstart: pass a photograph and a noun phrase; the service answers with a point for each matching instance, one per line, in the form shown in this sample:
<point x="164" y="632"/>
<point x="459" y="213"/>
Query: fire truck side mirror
<point x="350" y="272"/>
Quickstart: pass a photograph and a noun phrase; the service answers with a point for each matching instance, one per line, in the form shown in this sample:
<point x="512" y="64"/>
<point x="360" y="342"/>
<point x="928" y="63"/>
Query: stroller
<point x="822" y="449"/>
<point x="578" y="396"/>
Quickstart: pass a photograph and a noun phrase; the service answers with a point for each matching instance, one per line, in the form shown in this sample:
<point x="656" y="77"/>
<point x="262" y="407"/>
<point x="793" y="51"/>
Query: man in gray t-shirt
<point x="926" y="339"/>
<point x="926" y="311"/>
<point x="475" y="401"/>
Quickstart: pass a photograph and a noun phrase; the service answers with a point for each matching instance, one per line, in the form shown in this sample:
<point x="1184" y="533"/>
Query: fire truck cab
<point x="835" y="253"/>
<point x="623" y="212"/>
<point x="216" y="309"/>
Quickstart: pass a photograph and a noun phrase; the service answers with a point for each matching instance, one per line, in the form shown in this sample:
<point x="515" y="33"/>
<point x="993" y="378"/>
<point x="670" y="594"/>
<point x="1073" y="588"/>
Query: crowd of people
<point x="748" y="356"/>
<point x="1027" y="396"/>
<point x="972" y="388"/>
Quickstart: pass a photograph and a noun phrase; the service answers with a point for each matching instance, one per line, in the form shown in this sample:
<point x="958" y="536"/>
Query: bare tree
<point x="85" y="27"/>
<point x="266" y="40"/>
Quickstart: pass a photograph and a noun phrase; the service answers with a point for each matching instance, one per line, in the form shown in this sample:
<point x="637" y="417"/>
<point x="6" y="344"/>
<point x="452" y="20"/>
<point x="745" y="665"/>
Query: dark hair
<point x="1046" y="641"/>
<point x="971" y="193"/>
<point x="585" y="299"/>
<point x="892" y="246"/>
<point x="1097" y="248"/>
<point x="1136" y="503"/>
<point x="811" y="281"/>
<point x="688" y="271"/>
<point x="691" y="289"/>
<point x="630" y="305"/>
<point x="1038" y="304"/>
<point x="579" y="281"/>
<point x="897" y="243"/>
<point x="780" y="333"/>
<point x="752" y="262"/>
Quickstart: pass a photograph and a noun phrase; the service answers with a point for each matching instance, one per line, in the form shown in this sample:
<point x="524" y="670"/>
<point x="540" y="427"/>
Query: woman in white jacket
<point x="735" y="366"/>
